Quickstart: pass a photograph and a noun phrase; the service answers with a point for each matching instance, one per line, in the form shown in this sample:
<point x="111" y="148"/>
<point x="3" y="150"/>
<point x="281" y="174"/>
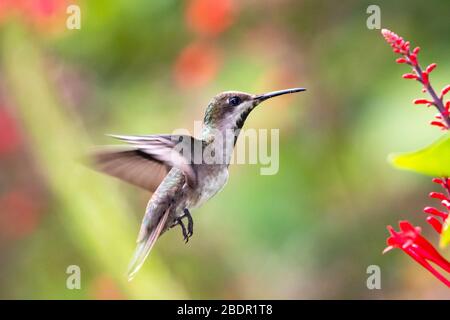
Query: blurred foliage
<point x="139" y="67"/>
<point x="94" y="211"/>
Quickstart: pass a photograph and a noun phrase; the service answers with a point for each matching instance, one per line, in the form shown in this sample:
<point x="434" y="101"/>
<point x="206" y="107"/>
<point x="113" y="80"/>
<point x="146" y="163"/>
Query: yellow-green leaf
<point x="433" y="160"/>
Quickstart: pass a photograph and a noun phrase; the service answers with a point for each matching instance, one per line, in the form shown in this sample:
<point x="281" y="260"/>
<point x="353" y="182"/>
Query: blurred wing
<point x="146" y="163"/>
<point x="172" y="150"/>
<point x="131" y="165"/>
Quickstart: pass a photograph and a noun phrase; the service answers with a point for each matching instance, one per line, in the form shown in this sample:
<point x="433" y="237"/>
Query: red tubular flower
<point x="435" y="223"/>
<point x="410" y="241"/>
<point x="445" y="91"/>
<point x="410" y="76"/>
<point x="431" y="68"/>
<point x="438" y="124"/>
<point x="425" y="79"/>
<point x="438" y="195"/>
<point x="422" y="101"/>
<point x="402" y="47"/>
<point x="397" y="43"/>
<point x="436" y="212"/>
<point x="445" y="202"/>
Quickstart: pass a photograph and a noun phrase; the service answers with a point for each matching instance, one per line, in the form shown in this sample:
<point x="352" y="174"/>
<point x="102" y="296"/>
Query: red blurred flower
<point x="6" y="7"/>
<point x="402" y="47"/>
<point x="196" y="65"/>
<point x="105" y="288"/>
<point x="417" y="247"/>
<point x="210" y="17"/>
<point x="10" y="138"/>
<point x="19" y="214"/>
<point x="45" y="15"/>
<point x="43" y="8"/>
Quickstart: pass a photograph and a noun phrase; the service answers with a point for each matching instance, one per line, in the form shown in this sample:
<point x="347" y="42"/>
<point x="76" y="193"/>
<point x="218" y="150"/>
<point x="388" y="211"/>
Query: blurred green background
<point x="140" y="67"/>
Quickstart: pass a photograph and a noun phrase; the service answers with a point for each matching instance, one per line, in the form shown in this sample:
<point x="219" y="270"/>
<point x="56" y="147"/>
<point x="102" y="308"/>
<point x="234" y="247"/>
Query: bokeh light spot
<point x="210" y="17"/>
<point x="196" y="65"/>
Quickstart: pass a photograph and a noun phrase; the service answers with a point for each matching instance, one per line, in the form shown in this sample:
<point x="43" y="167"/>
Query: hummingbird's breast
<point x="211" y="179"/>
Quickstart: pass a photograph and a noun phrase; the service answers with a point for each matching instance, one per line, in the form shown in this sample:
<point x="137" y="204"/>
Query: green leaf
<point x="433" y="160"/>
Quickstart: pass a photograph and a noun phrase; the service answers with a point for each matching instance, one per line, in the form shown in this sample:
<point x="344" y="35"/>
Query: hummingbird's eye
<point x="234" y="101"/>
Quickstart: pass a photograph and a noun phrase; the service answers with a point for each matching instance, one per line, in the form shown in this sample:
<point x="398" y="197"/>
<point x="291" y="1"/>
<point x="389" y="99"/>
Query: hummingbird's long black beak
<point x="272" y="94"/>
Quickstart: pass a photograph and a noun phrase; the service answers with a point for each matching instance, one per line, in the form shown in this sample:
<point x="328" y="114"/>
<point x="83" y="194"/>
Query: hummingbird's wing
<point x="172" y="150"/>
<point x="131" y="165"/>
<point x="147" y="161"/>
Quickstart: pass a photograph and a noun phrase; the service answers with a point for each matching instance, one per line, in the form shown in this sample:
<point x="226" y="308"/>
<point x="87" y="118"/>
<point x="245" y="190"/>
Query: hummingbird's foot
<point x="187" y="233"/>
<point x="183" y="229"/>
<point x="190" y="227"/>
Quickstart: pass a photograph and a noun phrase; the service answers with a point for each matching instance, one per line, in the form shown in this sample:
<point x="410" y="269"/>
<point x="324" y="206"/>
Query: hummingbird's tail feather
<point x="145" y="245"/>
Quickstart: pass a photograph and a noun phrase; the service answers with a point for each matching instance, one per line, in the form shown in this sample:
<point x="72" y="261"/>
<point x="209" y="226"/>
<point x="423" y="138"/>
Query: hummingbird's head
<point x="229" y="110"/>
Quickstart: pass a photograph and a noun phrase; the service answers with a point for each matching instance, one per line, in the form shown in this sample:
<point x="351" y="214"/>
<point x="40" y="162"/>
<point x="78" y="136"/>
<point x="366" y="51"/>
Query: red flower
<point x="445" y="91"/>
<point x="417" y="247"/>
<point x="439" y="124"/>
<point x="402" y="47"/>
<point x="409" y="238"/>
<point x="196" y="65"/>
<point x="5" y="9"/>
<point x="19" y="214"/>
<point x="410" y="76"/>
<point x="397" y="43"/>
<point x="104" y="287"/>
<point x="46" y="15"/>
<point x="10" y="138"/>
<point x="210" y="17"/>
<point x="438" y="224"/>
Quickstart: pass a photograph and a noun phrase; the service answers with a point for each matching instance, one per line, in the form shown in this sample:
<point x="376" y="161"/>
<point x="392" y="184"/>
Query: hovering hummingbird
<point x="165" y="166"/>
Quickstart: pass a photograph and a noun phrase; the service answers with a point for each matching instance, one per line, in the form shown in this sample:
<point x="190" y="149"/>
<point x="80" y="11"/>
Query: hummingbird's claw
<point x="187" y="233"/>
<point x="183" y="229"/>
<point x="187" y="214"/>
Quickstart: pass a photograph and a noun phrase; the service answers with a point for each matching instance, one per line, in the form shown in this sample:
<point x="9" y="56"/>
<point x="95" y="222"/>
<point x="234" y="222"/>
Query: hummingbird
<point x="173" y="167"/>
